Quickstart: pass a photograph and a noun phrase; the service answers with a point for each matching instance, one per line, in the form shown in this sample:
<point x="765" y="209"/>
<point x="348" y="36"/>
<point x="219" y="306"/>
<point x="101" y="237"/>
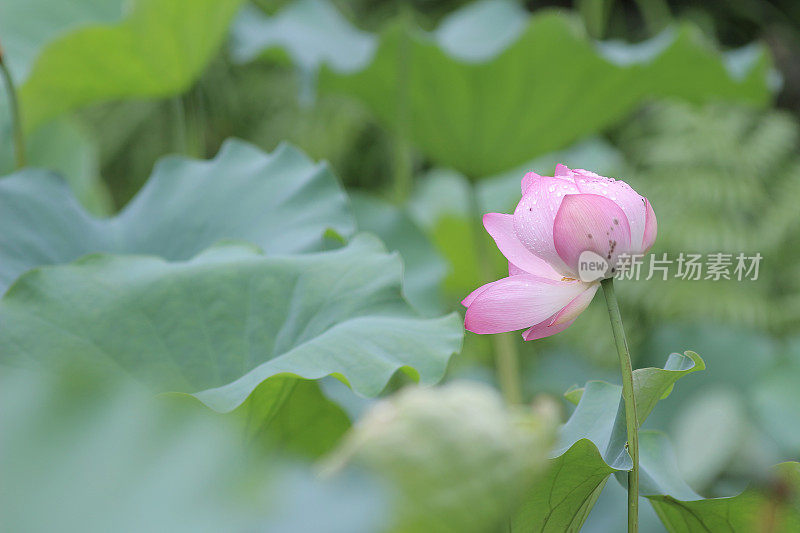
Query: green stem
<point x="507" y="361"/>
<point x="656" y="14"/>
<point x="188" y="125"/>
<point x="16" y="119"/>
<point x="631" y="419"/>
<point x="403" y="155"/>
<point x="503" y="344"/>
<point x="181" y="126"/>
<point x="403" y="170"/>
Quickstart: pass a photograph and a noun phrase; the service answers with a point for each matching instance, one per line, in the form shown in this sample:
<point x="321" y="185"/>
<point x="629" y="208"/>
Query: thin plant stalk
<point x="181" y="125"/>
<point x="507" y="361"/>
<point x="403" y="154"/>
<point x="189" y="124"/>
<point x="656" y="14"/>
<point x="16" y="118"/>
<point x="403" y="170"/>
<point x="632" y="422"/>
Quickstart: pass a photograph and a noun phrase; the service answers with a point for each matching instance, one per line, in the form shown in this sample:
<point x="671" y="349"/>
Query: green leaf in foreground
<point x="229" y="320"/>
<point x="282" y="202"/>
<point x="591" y="447"/>
<point x="81" y="454"/>
<point x="86" y="51"/>
<point x="459" y="458"/>
<point x="493" y="87"/>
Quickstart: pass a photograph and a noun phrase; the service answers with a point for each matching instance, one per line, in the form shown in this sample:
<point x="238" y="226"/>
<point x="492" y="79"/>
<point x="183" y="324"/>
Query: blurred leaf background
<point x="428" y="114"/>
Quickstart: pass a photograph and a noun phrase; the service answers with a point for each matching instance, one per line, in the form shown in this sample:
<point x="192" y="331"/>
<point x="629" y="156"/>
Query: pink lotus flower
<point x="558" y="219"/>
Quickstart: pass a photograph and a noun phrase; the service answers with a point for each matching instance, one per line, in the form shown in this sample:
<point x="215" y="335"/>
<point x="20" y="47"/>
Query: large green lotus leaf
<point x="424" y="266"/>
<point x="591" y="447"/>
<point x="84" y="51"/>
<point x="219" y="325"/>
<point x="27" y="26"/>
<point x="493" y="87"/>
<point x="282" y="202"/>
<point x="460" y="460"/>
<point x="93" y="455"/>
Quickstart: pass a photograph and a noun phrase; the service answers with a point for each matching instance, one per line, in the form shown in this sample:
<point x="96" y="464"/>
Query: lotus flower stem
<point x="181" y="126"/>
<point x="188" y="126"/>
<point x="16" y="120"/>
<point x="507" y="361"/>
<point x="630" y="404"/>
<point x="403" y="155"/>
<point x="655" y="13"/>
<point x="403" y="170"/>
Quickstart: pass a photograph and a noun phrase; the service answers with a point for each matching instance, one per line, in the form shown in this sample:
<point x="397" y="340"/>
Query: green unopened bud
<point x="459" y="458"/>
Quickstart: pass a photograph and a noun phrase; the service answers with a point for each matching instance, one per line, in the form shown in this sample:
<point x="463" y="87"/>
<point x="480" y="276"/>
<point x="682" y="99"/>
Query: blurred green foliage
<point x="428" y="116"/>
<point x="472" y="96"/>
<point x="471" y="436"/>
<point x="86" y="51"/>
<point x="82" y="452"/>
<point x="725" y="179"/>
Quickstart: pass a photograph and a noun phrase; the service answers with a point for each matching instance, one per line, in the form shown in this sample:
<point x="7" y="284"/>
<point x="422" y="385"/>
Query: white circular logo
<point x="592" y="267"/>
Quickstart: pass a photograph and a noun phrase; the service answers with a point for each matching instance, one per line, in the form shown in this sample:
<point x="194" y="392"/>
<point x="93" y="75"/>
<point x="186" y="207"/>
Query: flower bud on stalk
<point x="564" y="237"/>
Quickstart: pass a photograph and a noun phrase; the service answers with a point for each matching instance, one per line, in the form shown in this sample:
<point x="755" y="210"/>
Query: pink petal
<point x="474" y="294"/>
<point x="583" y="173"/>
<point x="534" y="217"/>
<point x="516" y="302"/>
<point x="562" y="319"/>
<point x="575" y="307"/>
<point x="562" y="171"/>
<point x="501" y="228"/>
<point x="527" y="179"/>
<point x="590" y="222"/>
<point x="544" y="329"/>
<point x="631" y="202"/>
<point x="650" y="227"/>
<point x="514" y="270"/>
